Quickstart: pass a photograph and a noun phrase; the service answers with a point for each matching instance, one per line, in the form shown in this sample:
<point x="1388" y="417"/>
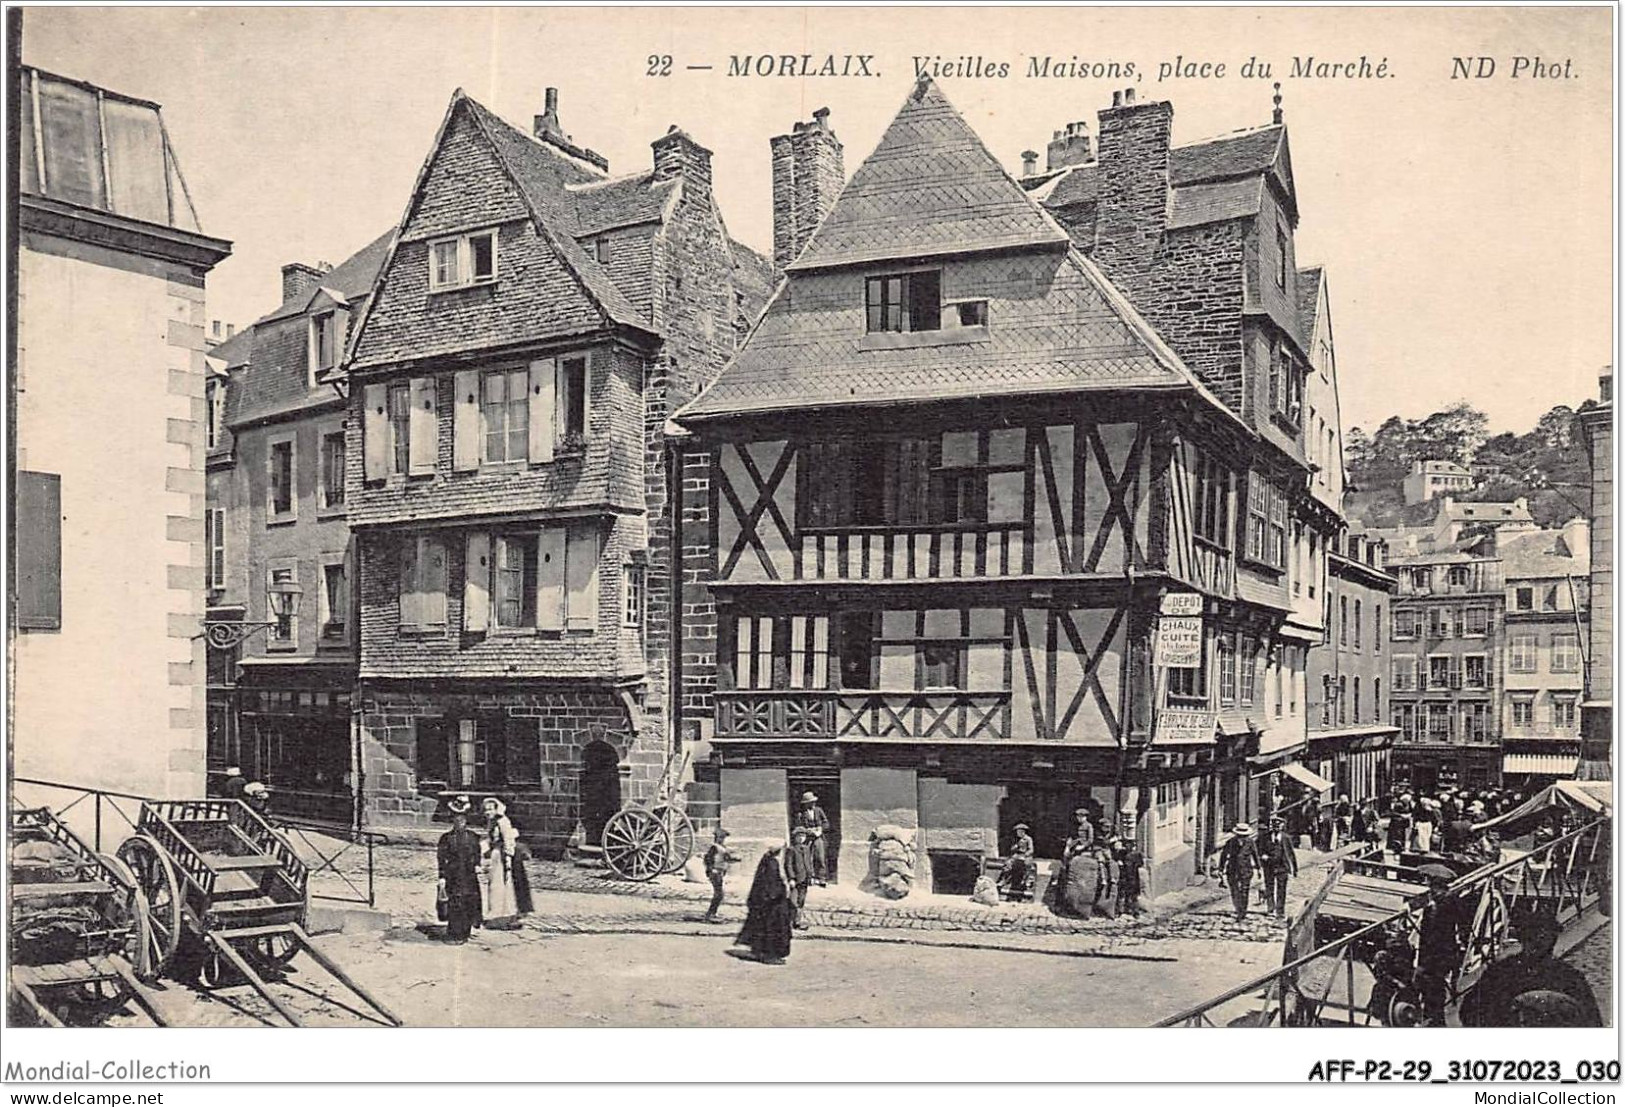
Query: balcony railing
<point x="914" y="553"/>
<point x="800" y="714"/>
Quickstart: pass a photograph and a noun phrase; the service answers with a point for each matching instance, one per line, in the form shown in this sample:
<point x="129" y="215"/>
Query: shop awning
<point x="1309" y="779"/>
<point x="1541" y="764"/>
<point x="1595" y="797"/>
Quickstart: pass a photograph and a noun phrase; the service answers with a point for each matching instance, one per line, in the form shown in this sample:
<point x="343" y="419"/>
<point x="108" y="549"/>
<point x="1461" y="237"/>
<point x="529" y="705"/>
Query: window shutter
<point x="433" y="574"/>
<point x="433" y="751"/>
<point x="411" y="607"/>
<point x="466" y="434"/>
<point x="550" y="556"/>
<point x="422" y="426"/>
<point x="39" y="551"/>
<point x="581" y="578"/>
<point x="543" y="393"/>
<point x="375" y="432"/>
<point x="477" y="583"/>
<point x="523" y="750"/>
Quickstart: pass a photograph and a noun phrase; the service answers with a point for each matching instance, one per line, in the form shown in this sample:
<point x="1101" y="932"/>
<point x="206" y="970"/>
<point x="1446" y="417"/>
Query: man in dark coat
<point x="812" y="817"/>
<point x="459" y="856"/>
<point x="1280" y="864"/>
<point x="768" y="911"/>
<point x="798" y="873"/>
<point x="1238" y="863"/>
<point x="1130" y="864"/>
<point x="1498" y="998"/>
<point x="1447" y="923"/>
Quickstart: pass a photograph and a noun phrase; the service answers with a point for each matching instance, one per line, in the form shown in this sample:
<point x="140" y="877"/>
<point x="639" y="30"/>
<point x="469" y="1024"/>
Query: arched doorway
<point x="600" y="788"/>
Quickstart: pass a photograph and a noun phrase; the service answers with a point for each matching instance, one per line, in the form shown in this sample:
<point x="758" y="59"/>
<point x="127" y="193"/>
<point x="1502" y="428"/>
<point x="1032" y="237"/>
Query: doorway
<point x="828" y="791"/>
<point x="1046" y="809"/>
<point x="600" y="788"/>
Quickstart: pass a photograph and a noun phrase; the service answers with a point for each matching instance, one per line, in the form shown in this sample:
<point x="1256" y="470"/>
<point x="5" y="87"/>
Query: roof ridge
<point x="622" y="178"/>
<point x="1241" y="132"/>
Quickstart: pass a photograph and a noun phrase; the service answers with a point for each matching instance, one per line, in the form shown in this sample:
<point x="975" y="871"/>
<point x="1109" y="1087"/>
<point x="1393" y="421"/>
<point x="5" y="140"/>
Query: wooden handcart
<point x="80" y="933"/>
<point x="643" y="840"/>
<point x="227" y="898"/>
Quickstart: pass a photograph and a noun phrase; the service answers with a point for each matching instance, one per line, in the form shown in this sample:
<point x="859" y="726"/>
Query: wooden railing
<point x="914" y="553"/>
<point x="879" y="715"/>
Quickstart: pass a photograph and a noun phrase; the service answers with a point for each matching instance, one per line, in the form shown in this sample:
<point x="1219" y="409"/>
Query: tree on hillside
<point x="1453" y="434"/>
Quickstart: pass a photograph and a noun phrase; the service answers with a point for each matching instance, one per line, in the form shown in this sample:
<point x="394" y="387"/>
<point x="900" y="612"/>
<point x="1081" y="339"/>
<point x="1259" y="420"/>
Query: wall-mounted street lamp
<point x="282" y="597"/>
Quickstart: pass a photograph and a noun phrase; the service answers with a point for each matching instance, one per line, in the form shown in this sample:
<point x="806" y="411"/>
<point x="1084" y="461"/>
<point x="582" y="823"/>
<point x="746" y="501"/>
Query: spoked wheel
<point x="132" y="910"/>
<point x="95" y="1001"/>
<point x="636" y="844"/>
<point x="155" y="876"/>
<point x="214" y="971"/>
<point x="681" y="833"/>
<point x="275" y="950"/>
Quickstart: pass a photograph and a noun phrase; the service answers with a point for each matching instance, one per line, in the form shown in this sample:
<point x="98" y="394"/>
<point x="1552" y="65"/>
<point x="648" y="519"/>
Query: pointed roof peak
<point x="930" y="188"/>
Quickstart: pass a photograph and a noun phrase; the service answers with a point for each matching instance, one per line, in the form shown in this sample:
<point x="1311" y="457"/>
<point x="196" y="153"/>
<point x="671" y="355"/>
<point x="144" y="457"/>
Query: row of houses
<point x="555" y="479"/>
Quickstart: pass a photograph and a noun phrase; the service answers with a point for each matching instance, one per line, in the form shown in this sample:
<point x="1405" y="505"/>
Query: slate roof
<point x="621" y="202"/>
<point x="1076" y="184"/>
<point x="1215" y="202"/>
<point x="930" y="188"/>
<point x="1240" y="155"/>
<point x="1542" y="553"/>
<point x="350" y="279"/>
<point x="234" y="351"/>
<point x="1309" y="298"/>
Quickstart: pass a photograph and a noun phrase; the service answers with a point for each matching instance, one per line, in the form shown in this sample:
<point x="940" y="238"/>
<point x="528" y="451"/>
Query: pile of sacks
<point x="891" y="861"/>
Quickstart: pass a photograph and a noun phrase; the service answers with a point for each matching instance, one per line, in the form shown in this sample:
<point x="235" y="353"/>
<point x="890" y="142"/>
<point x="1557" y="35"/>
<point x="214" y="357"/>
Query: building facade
<point x="1547" y="612"/>
<point x="1597" y="710"/>
<point x="533" y="325"/>
<point x="1428" y="479"/>
<point x="1447" y="637"/>
<point x="1351" y="732"/>
<point x="281" y="566"/>
<point x="972" y="456"/>
<point x="109" y="420"/>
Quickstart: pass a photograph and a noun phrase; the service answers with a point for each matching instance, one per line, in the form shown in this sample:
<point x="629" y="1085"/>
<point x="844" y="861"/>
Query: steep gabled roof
<point x="621" y="202"/>
<point x="1309" y="299"/>
<point x="1541" y="553"/>
<point x="1215" y="202"/>
<point x="930" y="188"/>
<point x="352" y="278"/>
<point x="1247" y="154"/>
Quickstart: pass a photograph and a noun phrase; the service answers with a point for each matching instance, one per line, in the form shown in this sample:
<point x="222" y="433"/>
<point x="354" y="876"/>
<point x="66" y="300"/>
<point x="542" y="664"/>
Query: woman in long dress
<point x="501" y="841"/>
<point x="768" y="912"/>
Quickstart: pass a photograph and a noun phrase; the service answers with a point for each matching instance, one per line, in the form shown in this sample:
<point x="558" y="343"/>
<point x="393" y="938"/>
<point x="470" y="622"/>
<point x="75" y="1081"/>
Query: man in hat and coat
<point x="232" y="789"/>
<point x="1017" y="878"/>
<point x="798" y="872"/>
<point x="812" y="817"/>
<point x="1280" y="864"/>
<point x="717" y="860"/>
<point x="458" y="893"/>
<point x="1447" y="923"/>
<point x="1130" y="886"/>
<point x="1238" y="864"/>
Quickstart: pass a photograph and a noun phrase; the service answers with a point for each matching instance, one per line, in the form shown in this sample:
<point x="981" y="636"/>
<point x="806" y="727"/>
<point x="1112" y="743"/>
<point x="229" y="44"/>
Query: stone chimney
<point x="299" y="279"/>
<point x="678" y="155"/>
<point x="547" y="128"/>
<point x="1029" y="162"/>
<point x="1070" y="146"/>
<point x="1133" y="187"/>
<point x="808" y="174"/>
<point x="1577" y="537"/>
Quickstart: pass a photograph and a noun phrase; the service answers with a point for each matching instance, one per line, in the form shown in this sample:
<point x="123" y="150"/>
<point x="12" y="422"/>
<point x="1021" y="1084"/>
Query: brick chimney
<point x="299" y="279"/>
<point x="808" y="174"/>
<point x="1070" y="146"/>
<point x="678" y="155"/>
<point x="1133" y="187"/>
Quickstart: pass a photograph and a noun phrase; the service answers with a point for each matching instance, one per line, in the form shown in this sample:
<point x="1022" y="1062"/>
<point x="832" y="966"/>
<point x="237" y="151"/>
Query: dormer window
<point x="463" y="261"/>
<point x="906" y="302"/>
<point x="326" y="340"/>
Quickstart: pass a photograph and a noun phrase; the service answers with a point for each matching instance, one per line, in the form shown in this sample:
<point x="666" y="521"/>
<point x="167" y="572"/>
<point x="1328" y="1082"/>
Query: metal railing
<point x="1566" y="877"/>
<point x="119" y="813"/>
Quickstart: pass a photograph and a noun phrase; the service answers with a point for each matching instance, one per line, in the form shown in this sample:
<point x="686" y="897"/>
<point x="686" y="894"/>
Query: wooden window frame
<point x="508" y="374"/>
<point x="902" y="310"/>
<point x="326" y="634"/>
<point x="634" y="595"/>
<point x="330" y="497"/>
<point x="463" y="248"/>
<point x="273" y="445"/>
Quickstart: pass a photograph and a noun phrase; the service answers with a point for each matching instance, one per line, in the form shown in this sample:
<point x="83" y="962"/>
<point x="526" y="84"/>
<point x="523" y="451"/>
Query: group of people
<point x="1100" y="874"/>
<point x="464" y="900"/>
<point x="1269" y="856"/>
<point x="1405" y="820"/>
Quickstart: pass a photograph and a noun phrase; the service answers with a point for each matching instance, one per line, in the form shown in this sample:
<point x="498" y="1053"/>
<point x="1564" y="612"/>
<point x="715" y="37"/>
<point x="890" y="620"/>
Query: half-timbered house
<point x="534" y="324"/>
<point x="970" y="458"/>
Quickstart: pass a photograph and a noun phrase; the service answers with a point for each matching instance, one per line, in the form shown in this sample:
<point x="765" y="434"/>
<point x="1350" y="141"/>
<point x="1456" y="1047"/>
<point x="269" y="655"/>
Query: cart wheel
<point x="681" y="833"/>
<point x="276" y="949"/>
<point x="636" y="844"/>
<point x="133" y="911"/>
<point x="214" y="971"/>
<point x="95" y="1001"/>
<point x="155" y="876"/>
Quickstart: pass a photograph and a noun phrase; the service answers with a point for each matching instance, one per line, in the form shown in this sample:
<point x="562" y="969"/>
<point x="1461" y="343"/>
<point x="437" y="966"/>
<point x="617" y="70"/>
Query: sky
<point x="1467" y="225"/>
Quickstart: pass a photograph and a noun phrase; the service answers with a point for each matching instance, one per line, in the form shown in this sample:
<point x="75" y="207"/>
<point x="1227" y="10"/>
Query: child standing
<point x="717" y="859"/>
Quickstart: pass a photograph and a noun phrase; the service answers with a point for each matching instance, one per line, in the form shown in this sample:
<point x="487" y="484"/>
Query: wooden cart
<point x="227" y="897"/>
<point x="80" y="931"/>
<point x="643" y="840"/>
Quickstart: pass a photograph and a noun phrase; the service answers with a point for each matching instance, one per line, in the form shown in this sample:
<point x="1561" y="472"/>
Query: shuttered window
<point x="423" y="584"/>
<point x="38" y="509"/>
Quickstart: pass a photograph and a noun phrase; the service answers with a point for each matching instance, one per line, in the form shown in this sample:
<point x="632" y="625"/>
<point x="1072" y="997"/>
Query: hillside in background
<point x="1548" y="465"/>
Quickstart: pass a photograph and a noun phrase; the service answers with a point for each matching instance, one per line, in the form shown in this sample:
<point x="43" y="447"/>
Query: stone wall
<point x="568" y="719"/>
<point x="871" y="798"/>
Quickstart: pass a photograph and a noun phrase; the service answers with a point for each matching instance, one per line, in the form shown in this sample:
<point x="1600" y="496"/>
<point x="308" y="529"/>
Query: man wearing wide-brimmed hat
<point x="1238" y="864"/>
<point x="811" y="817"/>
